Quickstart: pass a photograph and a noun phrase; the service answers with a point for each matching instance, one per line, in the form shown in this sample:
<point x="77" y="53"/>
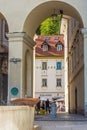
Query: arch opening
<point x="42" y="12"/>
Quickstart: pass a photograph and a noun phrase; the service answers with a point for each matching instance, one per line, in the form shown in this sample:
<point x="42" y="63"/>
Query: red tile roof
<point x="52" y="48"/>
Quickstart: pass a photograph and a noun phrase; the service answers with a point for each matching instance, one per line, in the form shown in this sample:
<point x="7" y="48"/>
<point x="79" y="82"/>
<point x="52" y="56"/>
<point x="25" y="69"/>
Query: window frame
<point x="45" y="47"/>
<point x="59" y="47"/>
<point x="58" y="65"/>
<point x="44" y="82"/>
<point x="58" y="82"/>
<point x="44" y="65"/>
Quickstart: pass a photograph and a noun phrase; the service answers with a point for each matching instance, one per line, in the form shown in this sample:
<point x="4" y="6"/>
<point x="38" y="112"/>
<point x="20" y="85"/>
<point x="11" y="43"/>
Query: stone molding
<point x="84" y="32"/>
<point x="21" y="36"/>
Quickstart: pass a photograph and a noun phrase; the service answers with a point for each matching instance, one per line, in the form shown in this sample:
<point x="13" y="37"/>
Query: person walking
<point x="53" y="109"/>
<point x="47" y="106"/>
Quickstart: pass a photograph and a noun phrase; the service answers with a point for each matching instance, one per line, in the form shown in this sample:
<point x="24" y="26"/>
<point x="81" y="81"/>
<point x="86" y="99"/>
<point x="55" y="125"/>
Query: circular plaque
<point x="14" y="91"/>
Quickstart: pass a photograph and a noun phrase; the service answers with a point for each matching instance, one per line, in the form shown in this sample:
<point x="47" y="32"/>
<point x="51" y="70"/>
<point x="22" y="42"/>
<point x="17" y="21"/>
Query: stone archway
<point x="44" y="10"/>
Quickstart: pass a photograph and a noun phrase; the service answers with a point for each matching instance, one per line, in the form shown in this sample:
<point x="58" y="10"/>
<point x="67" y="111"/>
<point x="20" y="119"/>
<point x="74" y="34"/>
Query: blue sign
<point x="14" y="91"/>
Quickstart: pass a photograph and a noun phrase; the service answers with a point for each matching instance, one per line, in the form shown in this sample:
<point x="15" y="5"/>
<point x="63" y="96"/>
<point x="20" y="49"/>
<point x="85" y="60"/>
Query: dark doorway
<point x="4" y="89"/>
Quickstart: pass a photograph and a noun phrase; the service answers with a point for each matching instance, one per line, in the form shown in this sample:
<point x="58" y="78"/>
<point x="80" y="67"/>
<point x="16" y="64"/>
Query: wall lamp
<point x="54" y="16"/>
<point x="15" y="60"/>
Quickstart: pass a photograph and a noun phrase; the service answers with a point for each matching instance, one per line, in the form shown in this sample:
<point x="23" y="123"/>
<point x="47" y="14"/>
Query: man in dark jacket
<point x="47" y="106"/>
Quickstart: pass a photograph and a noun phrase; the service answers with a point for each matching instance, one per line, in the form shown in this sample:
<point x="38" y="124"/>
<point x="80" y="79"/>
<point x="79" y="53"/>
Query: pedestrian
<point x="53" y="109"/>
<point x="43" y="105"/>
<point x="47" y="106"/>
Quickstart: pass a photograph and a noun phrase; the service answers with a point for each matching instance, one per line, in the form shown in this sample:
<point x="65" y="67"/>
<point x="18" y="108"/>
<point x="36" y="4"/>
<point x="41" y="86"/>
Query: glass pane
<point x="59" y="65"/>
<point x="44" y="65"/>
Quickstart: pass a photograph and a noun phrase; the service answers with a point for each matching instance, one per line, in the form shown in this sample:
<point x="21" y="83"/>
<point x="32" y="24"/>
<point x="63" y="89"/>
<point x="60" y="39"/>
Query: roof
<point x="52" y="48"/>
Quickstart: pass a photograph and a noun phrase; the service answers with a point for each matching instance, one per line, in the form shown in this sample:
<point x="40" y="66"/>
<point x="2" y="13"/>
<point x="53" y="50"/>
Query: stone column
<point x="19" y="44"/>
<point x="84" y="32"/>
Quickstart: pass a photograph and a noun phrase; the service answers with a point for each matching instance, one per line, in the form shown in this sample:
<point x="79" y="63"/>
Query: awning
<point x="60" y="100"/>
<point x="57" y="97"/>
<point x="43" y="98"/>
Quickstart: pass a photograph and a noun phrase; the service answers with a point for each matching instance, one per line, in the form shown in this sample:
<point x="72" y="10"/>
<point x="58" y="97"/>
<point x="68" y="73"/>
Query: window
<point x="58" y="65"/>
<point x="56" y="38"/>
<point x="47" y="38"/>
<point x="45" y="47"/>
<point x="59" y="47"/>
<point x="44" y="65"/>
<point x="44" y="82"/>
<point x="58" y="82"/>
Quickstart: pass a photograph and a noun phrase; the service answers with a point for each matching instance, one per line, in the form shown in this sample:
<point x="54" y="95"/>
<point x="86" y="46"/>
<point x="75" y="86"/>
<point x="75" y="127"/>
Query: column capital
<point x="20" y="36"/>
<point x="13" y="35"/>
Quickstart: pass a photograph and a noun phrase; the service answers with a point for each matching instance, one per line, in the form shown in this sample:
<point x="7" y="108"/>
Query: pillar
<point x="19" y="44"/>
<point x="84" y="32"/>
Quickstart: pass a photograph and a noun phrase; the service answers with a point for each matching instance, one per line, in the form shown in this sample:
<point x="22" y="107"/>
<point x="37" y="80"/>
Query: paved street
<point x="62" y="121"/>
<point x="61" y="117"/>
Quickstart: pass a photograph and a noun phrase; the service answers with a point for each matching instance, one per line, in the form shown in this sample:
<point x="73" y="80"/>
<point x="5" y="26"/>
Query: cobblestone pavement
<point x="62" y="121"/>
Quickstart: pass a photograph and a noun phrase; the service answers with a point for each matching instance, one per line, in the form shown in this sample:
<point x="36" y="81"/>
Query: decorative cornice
<point x="49" y="57"/>
<point x="15" y="34"/>
<point x="20" y="36"/>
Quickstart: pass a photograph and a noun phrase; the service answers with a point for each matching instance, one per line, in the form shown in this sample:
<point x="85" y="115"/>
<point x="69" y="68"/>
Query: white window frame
<point x="45" y="47"/>
<point x="59" y="47"/>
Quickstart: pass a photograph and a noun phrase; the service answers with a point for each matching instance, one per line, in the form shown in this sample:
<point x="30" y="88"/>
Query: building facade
<point x="49" y="67"/>
<point x="74" y="65"/>
<point x="75" y="68"/>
